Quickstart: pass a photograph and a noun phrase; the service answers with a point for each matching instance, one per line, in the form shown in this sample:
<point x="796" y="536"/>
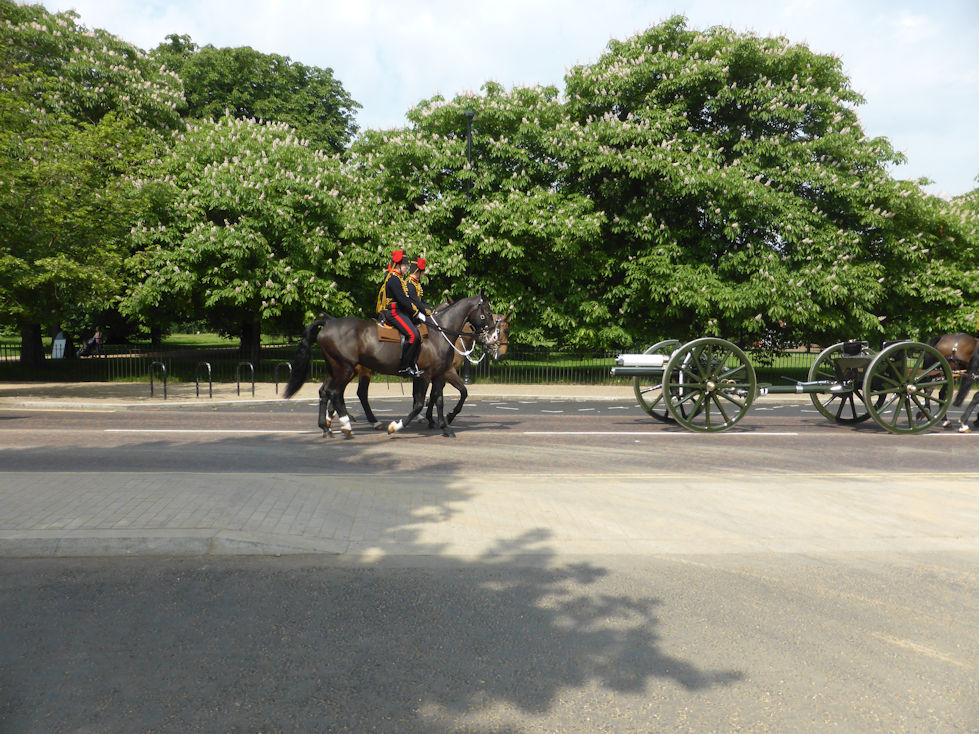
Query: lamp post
<point x="470" y="114"/>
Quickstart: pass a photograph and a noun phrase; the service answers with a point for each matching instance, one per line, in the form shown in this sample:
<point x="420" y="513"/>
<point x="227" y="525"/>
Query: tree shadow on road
<point x="411" y="639"/>
<point x="313" y="644"/>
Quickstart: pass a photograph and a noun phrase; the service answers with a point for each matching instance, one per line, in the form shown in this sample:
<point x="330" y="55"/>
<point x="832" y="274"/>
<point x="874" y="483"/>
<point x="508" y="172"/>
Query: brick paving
<point x="536" y="513"/>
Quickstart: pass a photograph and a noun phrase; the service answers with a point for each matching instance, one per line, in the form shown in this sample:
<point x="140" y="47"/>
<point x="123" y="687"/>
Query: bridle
<point x="480" y="335"/>
<point x="499" y="321"/>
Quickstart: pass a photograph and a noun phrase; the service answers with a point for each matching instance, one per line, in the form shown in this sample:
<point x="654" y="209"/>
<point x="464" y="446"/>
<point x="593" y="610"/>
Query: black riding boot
<point x="407" y="365"/>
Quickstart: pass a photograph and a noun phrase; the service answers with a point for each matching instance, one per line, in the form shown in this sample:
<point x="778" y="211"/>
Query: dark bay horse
<point x="464" y="344"/>
<point x="960" y="351"/>
<point x="348" y="342"/>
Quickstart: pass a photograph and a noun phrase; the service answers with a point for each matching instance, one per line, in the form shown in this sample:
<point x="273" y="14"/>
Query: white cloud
<point x="917" y="64"/>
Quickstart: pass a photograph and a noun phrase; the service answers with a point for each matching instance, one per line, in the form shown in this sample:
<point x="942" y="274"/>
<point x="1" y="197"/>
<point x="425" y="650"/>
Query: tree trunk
<point x="251" y="341"/>
<point x="31" y="349"/>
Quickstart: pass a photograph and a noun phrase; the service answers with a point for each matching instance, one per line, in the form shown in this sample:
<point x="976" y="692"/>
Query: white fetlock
<point x="394" y="427"/>
<point x="964" y="428"/>
<point x="345" y="426"/>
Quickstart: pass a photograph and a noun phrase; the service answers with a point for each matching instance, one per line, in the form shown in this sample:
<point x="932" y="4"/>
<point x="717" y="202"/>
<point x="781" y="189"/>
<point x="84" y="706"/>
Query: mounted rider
<point x="414" y="286"/>
<point x="395" y="308"/>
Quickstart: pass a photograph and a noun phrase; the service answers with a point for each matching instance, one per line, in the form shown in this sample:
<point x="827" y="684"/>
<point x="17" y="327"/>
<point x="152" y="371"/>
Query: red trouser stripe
<point x="411" y="332"/>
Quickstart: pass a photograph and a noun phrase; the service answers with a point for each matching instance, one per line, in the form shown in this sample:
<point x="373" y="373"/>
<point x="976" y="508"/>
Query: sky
<point x="916" y="62"/>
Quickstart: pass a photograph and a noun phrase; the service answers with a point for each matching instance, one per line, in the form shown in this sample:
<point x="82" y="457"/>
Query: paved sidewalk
<point x="187" y="513"/>
<point x="452" y="515"/>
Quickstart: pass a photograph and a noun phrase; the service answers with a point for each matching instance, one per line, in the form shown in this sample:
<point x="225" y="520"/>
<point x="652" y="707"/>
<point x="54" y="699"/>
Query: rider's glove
<point x="421" y="317"/>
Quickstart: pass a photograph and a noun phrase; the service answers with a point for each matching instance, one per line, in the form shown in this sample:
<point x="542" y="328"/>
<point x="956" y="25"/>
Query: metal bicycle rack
<point x="163" y="368"/>
<point x="250" y="366"/>
<point x="210" y="381"/>
<point x="281" y="364"/>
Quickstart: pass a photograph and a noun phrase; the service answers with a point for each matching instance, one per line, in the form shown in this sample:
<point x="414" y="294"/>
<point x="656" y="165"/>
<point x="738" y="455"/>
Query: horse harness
<point x="953" y="358"/>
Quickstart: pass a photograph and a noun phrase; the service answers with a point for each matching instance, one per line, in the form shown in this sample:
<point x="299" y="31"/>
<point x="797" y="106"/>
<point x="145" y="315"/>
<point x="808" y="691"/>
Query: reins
<point x="451" y="342"/>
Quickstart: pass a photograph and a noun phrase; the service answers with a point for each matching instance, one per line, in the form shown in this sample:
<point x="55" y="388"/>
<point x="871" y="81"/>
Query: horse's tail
<point x="300" y="365"/>
<point x="968" y="378"/>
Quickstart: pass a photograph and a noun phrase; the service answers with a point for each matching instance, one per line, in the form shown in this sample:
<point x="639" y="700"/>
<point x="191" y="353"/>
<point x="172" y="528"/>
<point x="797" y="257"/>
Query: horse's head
<point x="501" y="334"/>
<point x="480" y="317"/>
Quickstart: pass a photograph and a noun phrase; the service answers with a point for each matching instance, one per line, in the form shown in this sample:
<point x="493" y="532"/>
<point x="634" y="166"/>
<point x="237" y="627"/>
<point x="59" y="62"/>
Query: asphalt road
<point x="535" y="437"/>
<point x="786" y="643"/>
<point x="559" y="566"/>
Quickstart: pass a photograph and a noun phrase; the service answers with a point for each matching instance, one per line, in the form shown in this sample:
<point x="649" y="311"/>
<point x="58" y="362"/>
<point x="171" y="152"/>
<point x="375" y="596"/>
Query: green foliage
<point x="743" y="198"/>
<point x="687" y="183"/>
<point x="247" y="222"/>
<point x="78" y="110"/>
<point x="690" y="183"/>
<point x="507" y="224"/>
<point x="245" y="83"/>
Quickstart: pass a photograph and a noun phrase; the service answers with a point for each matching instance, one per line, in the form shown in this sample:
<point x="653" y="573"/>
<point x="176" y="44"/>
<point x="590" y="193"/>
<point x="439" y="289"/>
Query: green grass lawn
<point x="203" y="340"/>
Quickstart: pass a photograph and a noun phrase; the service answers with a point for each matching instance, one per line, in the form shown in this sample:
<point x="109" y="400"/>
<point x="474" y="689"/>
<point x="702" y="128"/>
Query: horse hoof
<point x="345" y="426"/>
<point x="377" y="426"/>
<point x="447" y="433"/>
<point x="964" y="429"/>
<point x="394" y="427"/>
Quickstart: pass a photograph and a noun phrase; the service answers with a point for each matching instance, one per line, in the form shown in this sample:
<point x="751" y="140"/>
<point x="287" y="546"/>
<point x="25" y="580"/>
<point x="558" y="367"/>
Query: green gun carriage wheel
<point x="908" y="387"/>
<point x="649" y="388"/>
<point x="833" y="365"/>
<point x="709" y="384"/>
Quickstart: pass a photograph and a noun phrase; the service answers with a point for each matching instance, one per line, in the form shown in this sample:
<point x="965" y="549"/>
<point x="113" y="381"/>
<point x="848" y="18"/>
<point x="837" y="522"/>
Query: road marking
<point x="504" y="407"/>
<point x="922" y="649"/>
<point x="657" y="433"/>
<point x="202" y="430"/>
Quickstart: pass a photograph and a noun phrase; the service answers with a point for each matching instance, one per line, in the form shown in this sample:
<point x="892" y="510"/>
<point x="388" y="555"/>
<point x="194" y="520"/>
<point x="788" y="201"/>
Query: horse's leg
<point x="363" y="385"/>
<point x="452" y="377"/>
<point x="438" y="387"/>
<point x="338" y="384"/>
<point x="419" y="387"/>
<point x="428" y="413"/>
<point x="325" y="423"/>
<point x="964" y="420"/>
<point x="968" y="379"/>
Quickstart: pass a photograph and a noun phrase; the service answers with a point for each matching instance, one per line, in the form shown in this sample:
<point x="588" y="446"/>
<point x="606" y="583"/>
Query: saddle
<point x="390" y="334"/>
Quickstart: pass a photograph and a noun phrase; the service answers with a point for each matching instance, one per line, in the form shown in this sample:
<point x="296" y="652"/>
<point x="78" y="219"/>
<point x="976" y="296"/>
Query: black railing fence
<point x="521" y="365"/>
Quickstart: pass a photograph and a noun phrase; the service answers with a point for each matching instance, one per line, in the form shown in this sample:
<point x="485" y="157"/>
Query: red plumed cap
<point x="397" y="256"/>
<point x="420" y="262"/>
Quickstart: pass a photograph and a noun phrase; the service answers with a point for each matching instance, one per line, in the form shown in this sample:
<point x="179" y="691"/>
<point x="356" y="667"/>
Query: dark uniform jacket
<point x="415" y="293"/>
<point x="394" y="297"/>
